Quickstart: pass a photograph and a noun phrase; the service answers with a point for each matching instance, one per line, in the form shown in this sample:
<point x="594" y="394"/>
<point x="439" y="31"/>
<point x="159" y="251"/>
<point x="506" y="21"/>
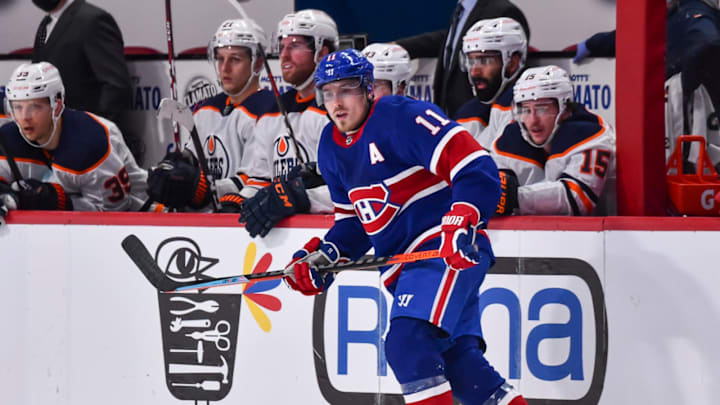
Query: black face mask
<point x="47" y="5"/>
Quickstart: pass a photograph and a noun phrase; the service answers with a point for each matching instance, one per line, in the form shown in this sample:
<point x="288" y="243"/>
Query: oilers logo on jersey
<point x="217" y="157"/>
<point x="373" y="207"/>
<point x="285" y="158"/>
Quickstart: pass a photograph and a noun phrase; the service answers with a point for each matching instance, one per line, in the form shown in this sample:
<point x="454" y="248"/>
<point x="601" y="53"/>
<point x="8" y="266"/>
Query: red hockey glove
<point x="509" y="197"/>
<point x="459" y="227"/>
<point x="301" y="272"/>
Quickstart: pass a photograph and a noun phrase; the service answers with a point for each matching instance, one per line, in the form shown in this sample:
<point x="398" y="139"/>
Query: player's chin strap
<point x="55" y="119"/>
<point x="253" y="74"/>
<point x="556" y="126"/>
<point x="310" y="78"/>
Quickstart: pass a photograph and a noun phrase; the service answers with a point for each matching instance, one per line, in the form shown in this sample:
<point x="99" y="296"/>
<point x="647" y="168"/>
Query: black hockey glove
<point x="177" y="181"/>
<point x="8" y="201"/>
<point x="35" y="195"/>
<point x="279" y="200"/>
<point x="509" y="197"/>
<point x="231" y="203"/>
<point x="308" y="171"/>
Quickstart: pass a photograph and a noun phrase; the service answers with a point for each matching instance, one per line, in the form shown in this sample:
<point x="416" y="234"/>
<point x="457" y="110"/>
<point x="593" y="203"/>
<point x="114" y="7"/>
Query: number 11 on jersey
<point x="434" y="129"/>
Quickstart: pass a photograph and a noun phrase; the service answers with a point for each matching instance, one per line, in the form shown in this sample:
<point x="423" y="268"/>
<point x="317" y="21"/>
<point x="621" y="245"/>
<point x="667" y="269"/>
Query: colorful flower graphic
<point x="253" y="291"/>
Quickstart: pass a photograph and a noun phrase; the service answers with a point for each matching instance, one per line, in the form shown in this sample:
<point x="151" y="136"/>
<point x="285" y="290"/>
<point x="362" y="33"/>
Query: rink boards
<point x="576" y="311"/>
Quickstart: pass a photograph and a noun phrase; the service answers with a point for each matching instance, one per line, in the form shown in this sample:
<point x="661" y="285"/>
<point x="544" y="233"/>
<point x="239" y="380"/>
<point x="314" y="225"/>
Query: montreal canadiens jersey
<point x="270" y="152"/>
<point x="485" y="122"/>
<point x="569" y="179"/>
<point x="91" y="162"/>
<point x="391" y="180"/>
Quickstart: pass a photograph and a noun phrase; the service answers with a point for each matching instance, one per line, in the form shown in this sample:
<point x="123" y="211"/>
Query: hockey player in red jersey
<point x="65" y="159"/>
<point x="555" y="158"/>
<point x="224" y="122"/>
<point x="394" y="166"/>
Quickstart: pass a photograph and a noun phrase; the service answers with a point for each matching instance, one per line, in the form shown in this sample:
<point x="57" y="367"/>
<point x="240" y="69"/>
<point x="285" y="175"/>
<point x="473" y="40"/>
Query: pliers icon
<point x="209" y="306"/>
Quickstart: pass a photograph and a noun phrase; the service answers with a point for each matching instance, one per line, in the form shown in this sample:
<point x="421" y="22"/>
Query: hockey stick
<point x="181" y="114"/>
<point x="15" y="172"/>
<point x="145" y="262"/>
<point x="276" y="92"/>
<point x="171" y="62"/>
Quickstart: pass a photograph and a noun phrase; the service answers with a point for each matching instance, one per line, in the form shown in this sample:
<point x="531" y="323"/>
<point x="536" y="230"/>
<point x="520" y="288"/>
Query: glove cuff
<point x="296" y="187"/>
<point x="466" y="210"/>
<point x="63" y="202"/>
<point x="201" y="197"/>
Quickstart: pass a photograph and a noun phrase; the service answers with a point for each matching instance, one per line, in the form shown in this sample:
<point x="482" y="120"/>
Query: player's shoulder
<point x="84" y="142"/>
<point x="215" y="103"/>
<point x="17" y="146"/>
<point x="513" y="145"/>
<point x="579" y="128"/>
<point x="394" y="105"/>
<point x="505" y="99"/>
<point x="473" y="109"/>
<point x="260" y="102"/>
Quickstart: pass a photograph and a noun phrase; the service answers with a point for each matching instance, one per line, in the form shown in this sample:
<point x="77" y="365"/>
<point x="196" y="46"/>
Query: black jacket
<point x="451" y="87"/>
<point x="87" y="48"/>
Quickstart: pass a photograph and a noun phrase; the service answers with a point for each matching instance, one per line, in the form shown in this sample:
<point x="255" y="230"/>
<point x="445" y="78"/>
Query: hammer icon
<point x="175" y="368"/>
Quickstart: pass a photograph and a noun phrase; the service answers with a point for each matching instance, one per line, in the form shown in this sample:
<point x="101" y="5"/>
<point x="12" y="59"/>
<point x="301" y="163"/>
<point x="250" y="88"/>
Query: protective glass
<point x="479" y="59"/>
<point x="28" y="108"/>
<point x="347" y="89"/>
<point x="292" y="44"/>
<point x="548" y="108"/>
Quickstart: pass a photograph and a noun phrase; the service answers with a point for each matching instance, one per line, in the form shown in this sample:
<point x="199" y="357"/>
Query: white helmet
<point x="240" y="32"/>
<point x="312" y="23"/>
<point x="36" y="80"/>
<point x="504" y="35"/>
<point x="391" y="62"/>
<point x="542" y="82"/>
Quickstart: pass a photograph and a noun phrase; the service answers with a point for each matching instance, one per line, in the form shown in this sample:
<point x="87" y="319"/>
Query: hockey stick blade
<point x="364" y="263"/>
<point x="174" y="110"/>
<point x="145" y="262"/>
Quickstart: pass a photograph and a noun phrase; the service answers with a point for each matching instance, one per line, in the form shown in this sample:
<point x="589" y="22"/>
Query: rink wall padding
<point x="602" y="310"/>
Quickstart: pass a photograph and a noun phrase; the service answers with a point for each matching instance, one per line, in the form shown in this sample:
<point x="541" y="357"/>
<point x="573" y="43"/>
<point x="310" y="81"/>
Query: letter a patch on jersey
<point x="375" y="155"/>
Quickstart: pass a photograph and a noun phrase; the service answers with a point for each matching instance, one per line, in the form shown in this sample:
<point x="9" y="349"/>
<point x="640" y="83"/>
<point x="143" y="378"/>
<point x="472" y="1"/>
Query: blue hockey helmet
<point x="344" y="64"/>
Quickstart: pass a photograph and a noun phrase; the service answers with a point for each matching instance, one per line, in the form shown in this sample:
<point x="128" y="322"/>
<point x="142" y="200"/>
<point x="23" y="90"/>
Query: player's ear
<point x="324" y="50"/>
<point x="513" y="65"/>
<point x="258" y="64"/>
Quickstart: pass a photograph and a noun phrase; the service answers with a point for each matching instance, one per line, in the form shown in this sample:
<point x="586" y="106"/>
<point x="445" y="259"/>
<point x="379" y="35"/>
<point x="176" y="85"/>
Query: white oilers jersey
<point x="225" y="128"/>
<point x="271" y="152"/>
<point x="704" y="120"/>
<point x="474" y="116"/>
<point x="486" y="122"/>
<point x="92" y="163"/>
<point x="570" y="178"/>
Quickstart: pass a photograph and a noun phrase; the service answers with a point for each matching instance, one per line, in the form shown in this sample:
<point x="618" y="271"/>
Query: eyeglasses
<point x="482" y="60"/>
<point x="345" y="90"/>
<point x="539" y="109"/>
<point x="294" y="45"/>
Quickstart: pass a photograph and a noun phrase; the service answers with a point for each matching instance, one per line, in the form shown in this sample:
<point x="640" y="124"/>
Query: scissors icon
<point x="216" y="335"/>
